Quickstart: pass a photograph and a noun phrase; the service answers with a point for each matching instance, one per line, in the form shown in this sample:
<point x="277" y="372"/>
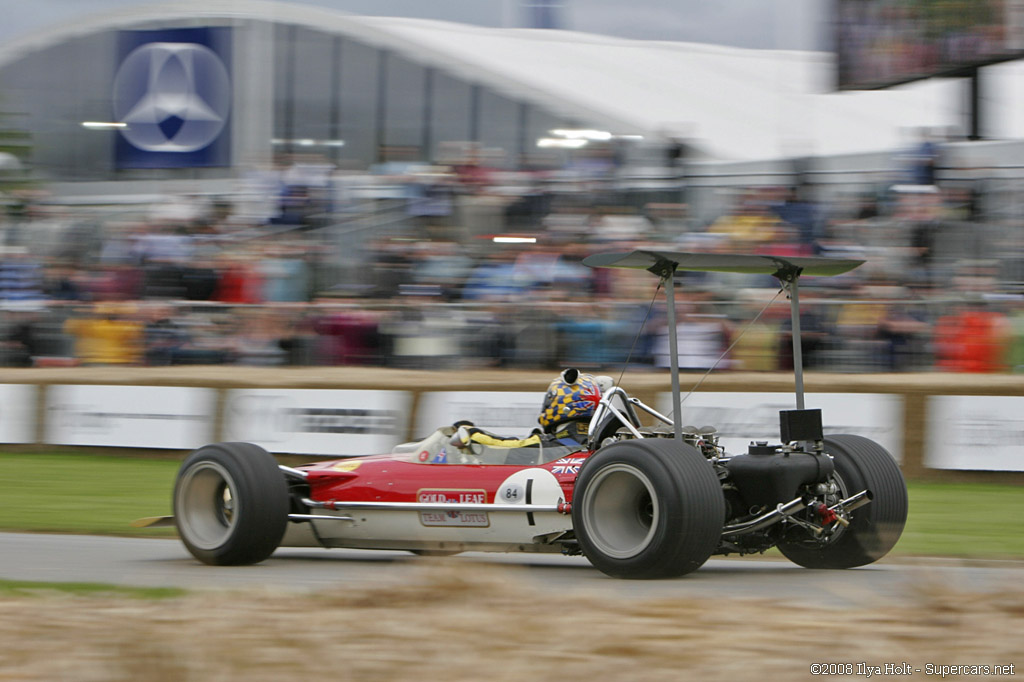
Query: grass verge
<point x="103" y="494"/>
<point x="23" y="588"/>
<point x="83" y="493"/>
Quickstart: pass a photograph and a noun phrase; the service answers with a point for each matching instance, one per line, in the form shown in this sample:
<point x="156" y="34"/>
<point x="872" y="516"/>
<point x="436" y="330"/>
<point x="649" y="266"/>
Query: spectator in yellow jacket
<point x="107" y="336"/>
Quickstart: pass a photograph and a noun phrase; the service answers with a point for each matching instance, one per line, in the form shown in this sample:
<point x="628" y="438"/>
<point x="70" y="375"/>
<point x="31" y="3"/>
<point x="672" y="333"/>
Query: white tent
<point x="732" y="103"/>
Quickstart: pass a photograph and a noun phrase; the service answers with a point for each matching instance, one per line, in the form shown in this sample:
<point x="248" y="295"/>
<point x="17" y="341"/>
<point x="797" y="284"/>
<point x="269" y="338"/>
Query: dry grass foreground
<point x="488" y="623"/>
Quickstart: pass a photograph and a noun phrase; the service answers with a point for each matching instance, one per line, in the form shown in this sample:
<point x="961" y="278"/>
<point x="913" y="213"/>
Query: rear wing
<point x="782" y="267"/>
<point x="787" y="270"/>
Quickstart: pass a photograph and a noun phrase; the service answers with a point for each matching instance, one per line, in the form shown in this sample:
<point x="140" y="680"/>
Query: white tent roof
<point x="731" y="103"/>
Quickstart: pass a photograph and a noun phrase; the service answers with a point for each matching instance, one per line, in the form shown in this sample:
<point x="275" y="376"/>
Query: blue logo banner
<point x="172" y="90"/>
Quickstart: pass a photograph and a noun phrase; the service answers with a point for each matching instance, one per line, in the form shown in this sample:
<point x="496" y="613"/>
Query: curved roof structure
<point x="730" y="103"/>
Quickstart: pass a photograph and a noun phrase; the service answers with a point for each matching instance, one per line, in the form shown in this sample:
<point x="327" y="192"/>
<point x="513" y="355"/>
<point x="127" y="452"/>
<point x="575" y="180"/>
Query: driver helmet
<point x="572" y="396"/>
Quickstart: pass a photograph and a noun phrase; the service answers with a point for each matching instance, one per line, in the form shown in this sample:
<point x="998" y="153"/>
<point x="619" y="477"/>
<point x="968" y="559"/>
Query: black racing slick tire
<point x="231" y="504"/>
<point x="648" y="509"/>
<point x="860" y="464"/>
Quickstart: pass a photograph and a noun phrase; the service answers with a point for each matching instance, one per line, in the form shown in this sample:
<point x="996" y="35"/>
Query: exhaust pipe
<point x="792" y="507"/>
<point x="767" y="519"/>
<point x="854" y="501"/>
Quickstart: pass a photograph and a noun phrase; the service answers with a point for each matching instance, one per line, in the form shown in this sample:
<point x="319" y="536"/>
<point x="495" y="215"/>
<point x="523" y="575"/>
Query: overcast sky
<point x="788" y="24"/>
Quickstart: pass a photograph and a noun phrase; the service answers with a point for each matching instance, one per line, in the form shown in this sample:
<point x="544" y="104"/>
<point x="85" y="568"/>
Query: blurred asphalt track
<point x="166" y="563"/>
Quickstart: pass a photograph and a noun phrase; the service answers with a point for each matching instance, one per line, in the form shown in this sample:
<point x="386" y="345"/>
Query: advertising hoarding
<point x="744" y="417"/>
<point x="506" y="413"/>
<point x="130" y="416"/>
<point x="317" y="421"/>
<point x="975" y="432"/>
<point x="18" y="413"/>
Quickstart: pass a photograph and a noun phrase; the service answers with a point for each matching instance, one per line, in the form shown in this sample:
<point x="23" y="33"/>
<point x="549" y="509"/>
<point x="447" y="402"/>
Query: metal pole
<point x="798" y="356"/>
<point x="427" y="123"/>
<point x="381" y="114"/>
<point x="673" y="351"/>
<point x="976" y="106"/>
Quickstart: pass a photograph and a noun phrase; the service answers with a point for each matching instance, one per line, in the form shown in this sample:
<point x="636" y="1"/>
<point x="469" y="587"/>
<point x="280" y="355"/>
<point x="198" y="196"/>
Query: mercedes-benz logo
<point x="175" y="97"/>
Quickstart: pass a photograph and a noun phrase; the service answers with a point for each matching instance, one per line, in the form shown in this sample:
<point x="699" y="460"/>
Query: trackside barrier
<point x="929" y="422"/>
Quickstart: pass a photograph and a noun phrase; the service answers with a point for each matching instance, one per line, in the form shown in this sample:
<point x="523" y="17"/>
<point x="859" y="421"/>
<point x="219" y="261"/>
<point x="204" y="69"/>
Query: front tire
<point x="231" y="504"/>
<point x="860" y="464"/>
<point x="647" y="509"/>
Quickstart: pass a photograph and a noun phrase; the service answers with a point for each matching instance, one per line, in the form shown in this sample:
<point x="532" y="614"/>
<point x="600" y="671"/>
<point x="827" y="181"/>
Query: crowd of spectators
<point x="462" y="266"/>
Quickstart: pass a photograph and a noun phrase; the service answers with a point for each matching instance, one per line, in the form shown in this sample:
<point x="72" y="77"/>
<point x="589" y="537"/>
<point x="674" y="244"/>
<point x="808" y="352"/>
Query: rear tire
<point x="861" y="464"/>
<point x="648" y="509"/>
<point x="231" y="504"/>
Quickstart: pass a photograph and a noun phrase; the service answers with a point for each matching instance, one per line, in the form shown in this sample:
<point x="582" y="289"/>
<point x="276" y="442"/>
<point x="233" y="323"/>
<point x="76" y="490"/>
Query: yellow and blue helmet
<point x="571" y="396"/>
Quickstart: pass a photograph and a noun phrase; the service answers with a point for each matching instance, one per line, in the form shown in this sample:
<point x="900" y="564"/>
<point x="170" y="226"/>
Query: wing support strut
<point x="787" y="270"/>
<point x="673" y="351"/>
<point x="789" y="277"/>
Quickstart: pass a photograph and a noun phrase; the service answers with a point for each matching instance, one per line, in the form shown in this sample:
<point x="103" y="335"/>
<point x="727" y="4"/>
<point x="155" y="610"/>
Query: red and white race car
<point x="638" y="501"/>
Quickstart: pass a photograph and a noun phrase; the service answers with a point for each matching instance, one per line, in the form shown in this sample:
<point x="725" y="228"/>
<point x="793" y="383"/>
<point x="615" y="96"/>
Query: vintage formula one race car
<point x="637" y="500"/>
